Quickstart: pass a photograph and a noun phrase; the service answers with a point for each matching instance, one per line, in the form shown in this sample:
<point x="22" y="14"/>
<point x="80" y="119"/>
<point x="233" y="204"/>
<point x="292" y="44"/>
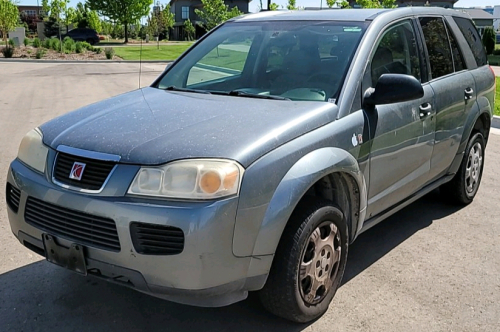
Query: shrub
<point x="109" y="51"/>
<point x="98" y="50"/>
<point x="496" y="52"/>
<point x="68" y="45"/>
<point x="8" y="51"/>
<point x="489" y="40"/>
<point x="79" y="47"/>
<point x="40" y="53"/>
<point x="37" y="43"/>
<point x="87" y="46"/>
<point x="46" y="43"/>
<point x="55" y="44"/>
<point x="11" y="43"/>
<point x="26" y="41"/>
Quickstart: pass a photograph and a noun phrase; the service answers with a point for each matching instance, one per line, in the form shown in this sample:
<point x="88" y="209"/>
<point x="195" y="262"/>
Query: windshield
<point x="295" y="60"/>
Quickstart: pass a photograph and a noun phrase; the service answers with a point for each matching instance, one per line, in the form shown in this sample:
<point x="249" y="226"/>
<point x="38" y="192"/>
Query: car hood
<point x="152" y="126"/>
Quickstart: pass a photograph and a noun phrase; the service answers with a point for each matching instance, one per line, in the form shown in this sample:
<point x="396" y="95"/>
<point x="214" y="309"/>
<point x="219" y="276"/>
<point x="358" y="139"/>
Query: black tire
<point x="284" y="293"/>
<point x="458" y="190"/>
<point x="90" y="41"/>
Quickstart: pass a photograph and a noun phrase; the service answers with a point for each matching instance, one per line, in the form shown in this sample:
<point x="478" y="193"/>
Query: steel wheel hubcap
<point x="320" y="263"/>
<point x="473" y="168"/>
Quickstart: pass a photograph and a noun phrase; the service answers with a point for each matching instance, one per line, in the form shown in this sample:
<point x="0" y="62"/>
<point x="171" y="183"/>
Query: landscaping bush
<point x="40" y="53"/>
<point x="37" y="43"/>
<point x="98" y="50"/>
<point x="46" y="43"/>
<point x="26" y="41"/>
<point x="109" y="51"/>
<point x="55" y="44"/>
<point x="11" y="43"/>
<point x="87" y="46"/>
<point x="68" y="45"/>
<point x="8" y="51"/>
<point x="79" y="47"/>
<point x="496" y="52"/>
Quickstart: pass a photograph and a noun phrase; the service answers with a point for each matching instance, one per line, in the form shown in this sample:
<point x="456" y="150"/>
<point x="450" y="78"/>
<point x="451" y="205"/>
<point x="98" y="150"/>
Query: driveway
<point x="430" y="267"/>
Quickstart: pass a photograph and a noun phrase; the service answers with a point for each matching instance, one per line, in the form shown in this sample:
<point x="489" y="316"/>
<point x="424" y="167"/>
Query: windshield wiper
<point x="174" y="88"/>
<point x="239" y="93"/>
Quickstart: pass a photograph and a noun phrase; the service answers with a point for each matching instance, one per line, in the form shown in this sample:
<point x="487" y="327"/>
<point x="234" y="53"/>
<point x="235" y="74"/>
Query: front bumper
<point x="205" y="273"/>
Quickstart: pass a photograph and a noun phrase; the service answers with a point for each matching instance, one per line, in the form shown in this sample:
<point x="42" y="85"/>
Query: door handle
<point x="425" y="110"/>
<point x="469" y="93"/>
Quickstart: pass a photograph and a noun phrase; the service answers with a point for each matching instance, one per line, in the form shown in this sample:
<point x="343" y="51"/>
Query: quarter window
<point x="438" y="46"/>
<point x="396" y="53"/>
<point x="471" y="35"/>
<point x="458" y="59"/>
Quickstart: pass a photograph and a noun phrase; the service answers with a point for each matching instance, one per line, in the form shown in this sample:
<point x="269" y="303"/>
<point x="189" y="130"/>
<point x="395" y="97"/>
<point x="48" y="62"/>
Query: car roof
<point x="354" y="15"/>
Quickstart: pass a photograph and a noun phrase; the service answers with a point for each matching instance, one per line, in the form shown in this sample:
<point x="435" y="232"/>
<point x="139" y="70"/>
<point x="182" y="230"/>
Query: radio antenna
<point x="140" y="60"/>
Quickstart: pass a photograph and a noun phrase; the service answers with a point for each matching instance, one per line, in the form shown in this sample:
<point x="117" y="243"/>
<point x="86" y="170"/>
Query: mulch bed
<point x="29" y="52"/>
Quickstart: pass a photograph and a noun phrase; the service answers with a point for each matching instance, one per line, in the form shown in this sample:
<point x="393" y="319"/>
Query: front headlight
<point x="189" y="179"/>
<point x="32" y="152"/>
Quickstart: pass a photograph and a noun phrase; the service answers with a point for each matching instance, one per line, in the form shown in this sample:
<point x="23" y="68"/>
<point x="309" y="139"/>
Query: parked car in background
<point x="257" y="158"/>
<point x="498" y="38"/>
<point x="83" y="34"/>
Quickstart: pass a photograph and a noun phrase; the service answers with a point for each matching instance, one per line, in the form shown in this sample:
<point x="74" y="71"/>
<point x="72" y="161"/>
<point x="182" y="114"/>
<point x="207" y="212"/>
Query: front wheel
<point x="463" y="188"/>
<point x="309" y="262"/>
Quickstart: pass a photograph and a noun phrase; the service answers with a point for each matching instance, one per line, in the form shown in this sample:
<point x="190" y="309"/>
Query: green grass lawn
<point x="166" y="52"/>
<point x="497" y="98"/>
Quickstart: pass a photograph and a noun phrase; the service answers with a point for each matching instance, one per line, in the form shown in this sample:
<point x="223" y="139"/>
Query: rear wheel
<point x="309" y="262"/>
<point x="463" y="188"/>
<point x="90" y="41"/>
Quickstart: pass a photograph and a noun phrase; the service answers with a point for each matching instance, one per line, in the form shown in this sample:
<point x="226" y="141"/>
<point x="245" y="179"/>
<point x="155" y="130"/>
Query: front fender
<point x="297" y="181"/>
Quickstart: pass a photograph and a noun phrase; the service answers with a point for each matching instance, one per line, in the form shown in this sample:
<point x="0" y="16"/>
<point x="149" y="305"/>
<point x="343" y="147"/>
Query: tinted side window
<point x="471" y="35"/>
<point x="396" y="53"/>
<point x="458" y="59"/>
<point x="438" y="46"/>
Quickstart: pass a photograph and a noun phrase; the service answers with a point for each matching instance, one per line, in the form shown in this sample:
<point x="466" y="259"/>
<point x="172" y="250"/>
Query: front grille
<point x="152" y="239"/>
<point x="94" y="175"/>
<point x="13" y="196"/>
<point x="73" y="225"/>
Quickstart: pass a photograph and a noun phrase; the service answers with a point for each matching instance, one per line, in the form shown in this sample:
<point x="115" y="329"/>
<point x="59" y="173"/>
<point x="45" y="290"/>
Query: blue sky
<point x="304" y="3"/>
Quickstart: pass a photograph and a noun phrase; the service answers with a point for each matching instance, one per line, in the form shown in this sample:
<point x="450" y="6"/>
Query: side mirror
<point x="393" y="88"/>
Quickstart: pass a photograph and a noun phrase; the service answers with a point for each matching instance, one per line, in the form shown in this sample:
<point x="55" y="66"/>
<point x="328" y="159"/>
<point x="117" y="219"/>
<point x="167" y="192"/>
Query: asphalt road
<point x="430" y="267"/>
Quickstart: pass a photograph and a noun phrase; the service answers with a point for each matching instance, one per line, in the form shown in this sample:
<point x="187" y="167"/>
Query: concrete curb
<point x="84" y="61"/>
<point x="495" y="122"/>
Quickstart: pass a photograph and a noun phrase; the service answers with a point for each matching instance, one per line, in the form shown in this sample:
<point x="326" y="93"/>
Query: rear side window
<point x="472" y="36"/>
<point x="438" y="46"/>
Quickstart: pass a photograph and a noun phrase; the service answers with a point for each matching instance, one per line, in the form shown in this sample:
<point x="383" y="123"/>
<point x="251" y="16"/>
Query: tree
<point x="189" y="30"/>
<point x="69" y="16"/>
<point x="377" y="3"/>
<point x="291" y="5"/>
<point x="94" y="22"/>
<point x="8" y="17"/>
<point x="160" y="22"/>
<point x="215" y="12"/>
<point x="489" y="40"/>
<point x="124" y="12"/>
<point x="273" y="6"/>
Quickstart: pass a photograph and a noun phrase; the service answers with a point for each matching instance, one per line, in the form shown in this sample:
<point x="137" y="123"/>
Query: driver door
<point x="402" y="134"/>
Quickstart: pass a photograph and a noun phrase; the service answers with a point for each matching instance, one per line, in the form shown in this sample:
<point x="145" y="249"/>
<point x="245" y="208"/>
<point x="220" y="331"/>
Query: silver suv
<point x="257" y="157"/>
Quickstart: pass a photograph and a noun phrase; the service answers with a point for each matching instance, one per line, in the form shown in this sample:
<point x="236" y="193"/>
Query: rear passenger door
<point x="454" y="90"/>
